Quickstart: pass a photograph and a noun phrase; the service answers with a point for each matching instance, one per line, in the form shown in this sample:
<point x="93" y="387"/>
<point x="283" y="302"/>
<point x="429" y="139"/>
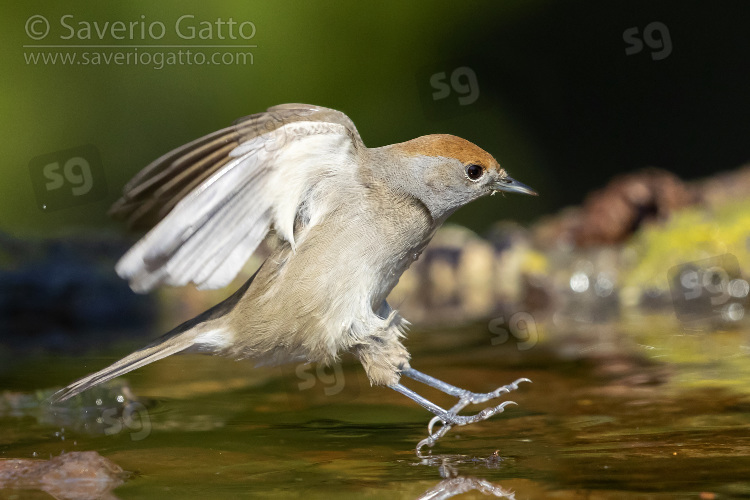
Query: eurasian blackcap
<point x="344" y="221"/>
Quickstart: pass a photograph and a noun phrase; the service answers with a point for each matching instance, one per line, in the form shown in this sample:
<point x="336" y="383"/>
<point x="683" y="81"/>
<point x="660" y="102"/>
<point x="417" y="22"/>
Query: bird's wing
<point x="214" y="200"/>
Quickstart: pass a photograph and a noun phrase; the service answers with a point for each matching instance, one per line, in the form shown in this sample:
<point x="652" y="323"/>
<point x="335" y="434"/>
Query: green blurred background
<point x="556" y="98"/>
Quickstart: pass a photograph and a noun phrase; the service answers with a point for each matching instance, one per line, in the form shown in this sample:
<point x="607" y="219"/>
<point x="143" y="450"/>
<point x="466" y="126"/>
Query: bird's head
<point x="446" y="172"/>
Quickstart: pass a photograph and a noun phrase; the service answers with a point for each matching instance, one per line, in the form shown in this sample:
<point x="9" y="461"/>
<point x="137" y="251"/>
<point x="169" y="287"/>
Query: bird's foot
<point x="450" y="418"/>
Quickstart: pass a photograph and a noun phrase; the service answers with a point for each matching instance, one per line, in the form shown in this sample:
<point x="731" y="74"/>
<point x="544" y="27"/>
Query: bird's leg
<point x="462" y="394"/>
<point x="449" y="418"/>
<point x="385" y="360"/>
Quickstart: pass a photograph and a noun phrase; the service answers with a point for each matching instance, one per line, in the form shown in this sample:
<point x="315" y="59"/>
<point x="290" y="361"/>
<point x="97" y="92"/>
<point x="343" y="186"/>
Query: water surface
<point x="641" y="409"/>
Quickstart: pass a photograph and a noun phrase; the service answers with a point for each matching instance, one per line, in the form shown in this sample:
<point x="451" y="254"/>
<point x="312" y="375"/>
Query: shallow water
<point x="643" y="409"/>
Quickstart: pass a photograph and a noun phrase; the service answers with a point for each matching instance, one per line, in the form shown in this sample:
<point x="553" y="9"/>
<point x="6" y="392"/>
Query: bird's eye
<point x="474" y="172"/>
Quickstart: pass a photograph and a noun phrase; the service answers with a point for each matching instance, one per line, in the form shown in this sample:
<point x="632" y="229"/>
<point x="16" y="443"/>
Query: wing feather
<point x="213" y="201"/>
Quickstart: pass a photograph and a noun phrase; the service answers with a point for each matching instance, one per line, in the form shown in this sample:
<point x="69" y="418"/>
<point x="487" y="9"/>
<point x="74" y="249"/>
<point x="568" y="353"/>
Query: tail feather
<point x="153" y="352"/>
<point x="204" y="333"/>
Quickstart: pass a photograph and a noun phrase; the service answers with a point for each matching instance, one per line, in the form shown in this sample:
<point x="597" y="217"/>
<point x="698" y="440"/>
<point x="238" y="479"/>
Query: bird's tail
<point x="155" y="351"/>
<point x="203" y="333"/>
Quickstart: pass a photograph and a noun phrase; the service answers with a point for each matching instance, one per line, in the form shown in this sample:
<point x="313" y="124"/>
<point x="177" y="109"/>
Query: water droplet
<point x="579" y="282"/>
<point x="604" y="285"/>
<point x="733" y="312"/>
<point x="739" y="288"/>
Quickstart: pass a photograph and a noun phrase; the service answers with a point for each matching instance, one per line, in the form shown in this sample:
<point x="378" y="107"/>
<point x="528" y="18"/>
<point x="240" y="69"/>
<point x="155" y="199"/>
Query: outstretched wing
<point x="214" y="200"/>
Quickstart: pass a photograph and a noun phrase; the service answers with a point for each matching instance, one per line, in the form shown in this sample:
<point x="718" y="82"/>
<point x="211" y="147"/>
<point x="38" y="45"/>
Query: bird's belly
<point x="322" y="299"/>
<point x="304" y="312"/>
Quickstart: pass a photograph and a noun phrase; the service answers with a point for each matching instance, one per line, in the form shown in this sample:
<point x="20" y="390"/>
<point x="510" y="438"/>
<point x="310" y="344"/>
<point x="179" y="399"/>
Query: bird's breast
<point x="323" y="296"/>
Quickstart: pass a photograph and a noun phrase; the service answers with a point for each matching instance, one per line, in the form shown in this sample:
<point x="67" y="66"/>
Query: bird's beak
<point x="511" y="185"/>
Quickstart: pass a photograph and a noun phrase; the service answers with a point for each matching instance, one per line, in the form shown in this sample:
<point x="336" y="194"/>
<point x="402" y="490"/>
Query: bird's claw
<point x="451" y="418"/>
<point x="478" y="397"/>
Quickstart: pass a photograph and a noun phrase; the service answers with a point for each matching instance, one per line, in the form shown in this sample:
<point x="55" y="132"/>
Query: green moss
<point x="535" y="263"/>
<point x="689" y="235"/>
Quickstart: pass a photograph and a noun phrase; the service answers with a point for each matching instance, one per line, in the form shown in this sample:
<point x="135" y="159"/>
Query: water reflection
<point x="458" y="485"/>
<point x="454" y="483"/>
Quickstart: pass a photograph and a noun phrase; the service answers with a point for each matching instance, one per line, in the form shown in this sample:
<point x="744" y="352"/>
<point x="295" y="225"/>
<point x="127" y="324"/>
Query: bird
<point x="341" y="222"/>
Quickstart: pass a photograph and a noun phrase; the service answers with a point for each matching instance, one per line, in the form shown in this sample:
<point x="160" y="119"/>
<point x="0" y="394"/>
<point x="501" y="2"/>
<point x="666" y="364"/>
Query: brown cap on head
<point x="448" y="146"/>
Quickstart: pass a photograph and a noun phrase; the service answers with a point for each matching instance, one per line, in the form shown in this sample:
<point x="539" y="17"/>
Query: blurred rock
<point x="462" y="277"/>
<point x="721" y="188"/>
<point x="53" y="292"/>
<point x="75" y="475"/>
<point x="612" y="214"/>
